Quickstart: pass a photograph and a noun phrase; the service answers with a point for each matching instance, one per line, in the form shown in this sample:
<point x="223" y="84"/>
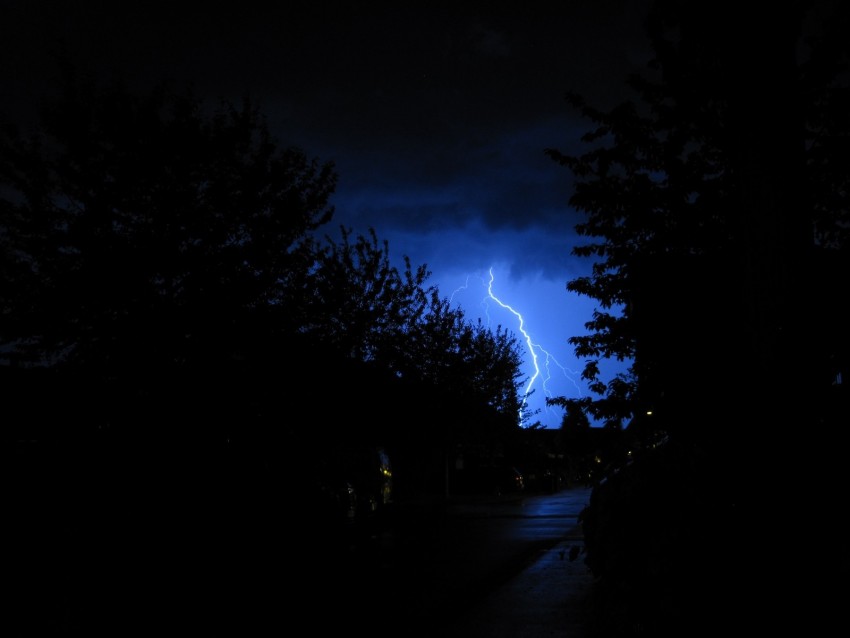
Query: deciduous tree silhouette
<point x="162" y="251"/>
<point x="718" y="206"/>
<point x="179" y="352"/>
<point x="443" y="379"/>
<point x="142" y="235"/>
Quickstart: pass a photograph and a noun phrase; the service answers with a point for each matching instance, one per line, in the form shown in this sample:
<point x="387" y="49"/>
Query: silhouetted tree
<point x="162" y="250"/>
<point x="359" y="303"/>
<point x="144" y="234"/>
<point x="718" y="206"/>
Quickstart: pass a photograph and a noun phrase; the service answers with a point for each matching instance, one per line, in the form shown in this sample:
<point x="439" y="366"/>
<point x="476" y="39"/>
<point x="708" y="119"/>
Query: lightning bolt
<point x="485" y="308"/>
<point x="541" y="371"/>
<point x="532" y="347"/>
<point x="543" y="362"/>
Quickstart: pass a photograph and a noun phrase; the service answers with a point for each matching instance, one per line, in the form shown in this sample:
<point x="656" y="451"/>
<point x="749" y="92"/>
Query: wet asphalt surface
<point x="476" y="567"/>
<point x="467" y="567"/>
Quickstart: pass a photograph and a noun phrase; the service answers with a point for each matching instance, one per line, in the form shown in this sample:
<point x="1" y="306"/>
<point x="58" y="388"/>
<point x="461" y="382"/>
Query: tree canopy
<point x="717" y="209"/>
<point x="144" y="230"/>
<point x="167" y="249"/>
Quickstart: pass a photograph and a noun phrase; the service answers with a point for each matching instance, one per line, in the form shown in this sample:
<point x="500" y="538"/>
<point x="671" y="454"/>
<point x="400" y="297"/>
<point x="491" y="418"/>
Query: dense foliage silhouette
<point x="717" y="209"/>
<point x="190" y="373"/>
<point x="161" y="246"/>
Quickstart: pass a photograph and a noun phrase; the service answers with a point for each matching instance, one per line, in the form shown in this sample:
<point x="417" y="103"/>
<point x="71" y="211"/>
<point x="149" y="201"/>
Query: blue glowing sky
<point x="435" y="115"/>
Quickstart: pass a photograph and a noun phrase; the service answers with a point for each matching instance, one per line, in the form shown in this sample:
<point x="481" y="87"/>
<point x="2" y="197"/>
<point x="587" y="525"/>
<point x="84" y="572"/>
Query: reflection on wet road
<point x="433" y="565"/>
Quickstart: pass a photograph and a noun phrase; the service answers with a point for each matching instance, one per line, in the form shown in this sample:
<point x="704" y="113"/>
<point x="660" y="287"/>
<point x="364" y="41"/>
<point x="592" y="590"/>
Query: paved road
<point x="480" y="568"/>
<point x="548" y="596"/>
<point x="106" y="567"/>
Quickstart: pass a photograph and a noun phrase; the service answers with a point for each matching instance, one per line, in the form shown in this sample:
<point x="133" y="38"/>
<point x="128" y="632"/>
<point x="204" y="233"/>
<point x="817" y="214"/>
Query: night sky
<point x="435" y="115"/>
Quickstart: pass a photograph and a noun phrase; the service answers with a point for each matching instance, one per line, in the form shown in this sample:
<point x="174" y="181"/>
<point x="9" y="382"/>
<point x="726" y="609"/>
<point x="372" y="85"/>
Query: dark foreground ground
<point x="97" y="554"/>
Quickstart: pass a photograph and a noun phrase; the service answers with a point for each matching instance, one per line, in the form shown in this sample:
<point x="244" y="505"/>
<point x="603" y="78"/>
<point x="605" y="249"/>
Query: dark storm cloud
<point x="505" y="179"/>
